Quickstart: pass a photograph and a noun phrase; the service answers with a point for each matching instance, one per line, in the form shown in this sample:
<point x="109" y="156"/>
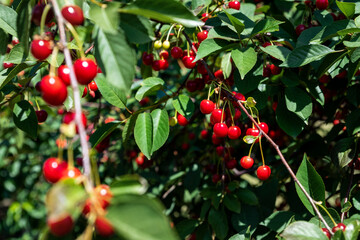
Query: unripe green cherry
<point x="172" y="121"/>
<point x="166" y="44"/>
<point x="157" y="44"/>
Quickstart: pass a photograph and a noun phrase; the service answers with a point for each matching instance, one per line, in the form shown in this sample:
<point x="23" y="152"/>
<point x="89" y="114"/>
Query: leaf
<point x="107" y="18"/>
<point x="352" y="122"/>
<point x="247" y="196"/>
<point x="298" y="102"/>
<point x="113" y="95"/>
<point x="232" y="203"/>
<point x="352" y="230"/>
<point x="144" y="133"/>
<point x="128" y="128"/>
<point x="303" y="55"/>
<point x="302" y="230"/>
<point x="25" y="118"/>
<point x="129" y="184"/>
<point x="266" y="25"/>
<point x="244" y="59"/>
<point x="288" y="121"/>
<point x="342" y="150"/>
<point x="139" y="217"/>
<point x="167" y="11"/>
<point x="184" y="106"/>
<point x="23" y="23"/>
<point x="138" y="29"/>
<point x="278" y="52"/>
<point x="149" y="86"/>
<point x="209" y="46"/>
<point x="312" y="183"/>
<point x="198" y="3"/>
<point x="239" y="26"/>
<point x="116" y="58"/>
<point x="160" y="120"/>
<point x="8" y="20"/>
<point x="102" y="133"/>
<point x="317" y="93"/>
<point x="219" y="223"/>
<point x="16" y="55"/>
<point x="186" y="227"/>
<point x="226" y="66"/>
<point x="222" y="32"/>
<point x="347" y="8"/>
<point x="277" y="221"/>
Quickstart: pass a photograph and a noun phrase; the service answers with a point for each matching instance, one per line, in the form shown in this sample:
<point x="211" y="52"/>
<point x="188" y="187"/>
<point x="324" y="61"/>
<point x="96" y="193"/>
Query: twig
<point x="77" y="100"/>
<point x="346" y="199"/>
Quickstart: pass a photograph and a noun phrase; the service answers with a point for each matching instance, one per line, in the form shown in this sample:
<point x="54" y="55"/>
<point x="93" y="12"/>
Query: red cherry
<point x="299" y="29"/>
<point x="246" y="162"/>
<point x="104" y="193"/>
<point x="207" y="106"/>
<point x="93" y="86"/>
<point x="191" y="53"/>
<point x="253" y="132"/>
<point x="199" y="83"/>
<point x="71" y="172"/>
<point x="216" y="178"/>
<point x="15" y="41"/>
<point x="164" y="54"/>
<point x="339" y="226"/>
<point x="266" y="71"/>
<point x="201" y="36"/>
<point x="53" y="169"/>
<point x="216" y="140"/>
<point x="234" y="132"/>
<point x="69" y="117"/>
<point x="73" y="14"/>
<point x="266" y="44"/>
<point x="237" y="114"/>
<point x="60" y="226"/>
<point x="220" y="150"/>
<point x="182" y="120"/>
<point x="201" y="68"/>
<point x="205" y="17"/>
<point x="234" y="5"/>
<point x="231" y="164"/>
<point x="188" y="62"/>
<point x="156" y="65"/>
<point x="322" y="4"/>
<point x="7" y="65"/>
<point x="191" y="85"/>
<point x="239" y="96"/>
<point x="342" y="74"/>
<point x="219" y="74"/>
<point x="85" y="70"/>
<point x="324" y="78"/>
<point x="185" y="146"/>
<point x="85" y="92"/>
<point x="64" y="74"/>
<point x="37" y="13"/>
<point x="144" y="101"/>
<point x="221" y="130"/>
<point x="40" y="49"/>
<point x="53" y="90"/>
<point x="275" y="70"/>
<point x="263" y="172"/>
<point x="264" y="127"/>
<point x="147" y="58"/>
<point x="204" y="134"/>
<point x="176" y="52"/>
<point x="164" y="64"/>
<point x="206" y="78"/>
<point x="103" y="227"/>
<point x="216" y="115"/>
<point x="41" y="116"/>
<point x="326" y="232"/>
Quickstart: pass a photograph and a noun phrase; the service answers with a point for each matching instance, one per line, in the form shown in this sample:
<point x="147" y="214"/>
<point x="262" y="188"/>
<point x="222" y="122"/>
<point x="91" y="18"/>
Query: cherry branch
<point x="75" y="87"/>
<point x="230" y="96"/>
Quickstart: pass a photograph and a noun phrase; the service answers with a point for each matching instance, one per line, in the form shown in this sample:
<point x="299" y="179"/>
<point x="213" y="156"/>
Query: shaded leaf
<point x="148" y="86"/>
<point x="113" y="95"/>
<point x="184" y="105"/>
<point x="244" y="59"/>
<point x="8" y="20"/>
<point x="129" y="184"/>
<point x="25" y="118"/>
<point x="107" y="18"/>
<point x="103" y="132"/>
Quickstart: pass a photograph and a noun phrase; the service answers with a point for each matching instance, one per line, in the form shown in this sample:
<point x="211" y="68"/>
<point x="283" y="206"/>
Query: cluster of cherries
<point x="338" y="227"/>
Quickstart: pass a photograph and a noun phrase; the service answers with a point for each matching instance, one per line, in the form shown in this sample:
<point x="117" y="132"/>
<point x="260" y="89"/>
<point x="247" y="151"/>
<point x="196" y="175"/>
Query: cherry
<point x="246" y="162"/>
<point x="201" y="36"/>
<point x="104" y="144"/>
<point x="275" y="70"/>
<point x="237" y="114"/>
<point x="219" y="74"/>
<point x="147" y="58"/>
<point x="176" y="52"/>
<point x="166" y="44"/>
<point x="299" y="29"/>
<point x="188" y="62"/>
<point x="253" y="132"/>
<point x="85" y="92"/>
<point x="216" y="178"/>
<point x="185" y="146"/>
<point x="207" y="106"/>
<point x="266" y="71"/>
<point x="73" y="14"/>
<point x="204" y="134"/>
<point x="199" y="83"/>
<point x="201" y="68"/>
<point x="339" y="226"/>
<point x="103" y="227"/>
<point x="216" y="115"/>
<point x="231" y="164"/>
<point x="234" y="5"/>
<point x="205" y="17"/>
<point x="164" y="64"/>
<point x="53" y="90"/>
<point x="85" y="70"/>
<point x="234" y="132"/>
<point x="60" y="226"/>
<point x="221" y="130"/>
<point x="7" y="65"/>
<point x="264" y="127"/>
<point x="220" y="150"/>
<point x="191" y="136"/>
<point x="164" y="54"/>
<point x="41" y="116"/>
<point x="93" y="86"/>
<point x="64" y="74"/>
<point x="239" y="96"/>
<point x="71" y="172"/>
<point x="191" y="85"/>
<point x="40" y="49"/>
<point x="266" y="44"/>
<point x="156" y="65"/>
<point x="326" y="232"/>
<point x="342" y="74"/>
<point x="182" y="120"/>
<point x="144" y="101"/>
<point x="15" y="41"/>
<point x="37" y="13"/>
<point x="53" y="169"/>
<point x="102" y="194"/>
<point x="157" y="44"/>
<point x="69" y="117"/>
<point x="206" y="78"/>
<point x="191" y="53"/>
<point x="140" y="160"/>
<point x="216" y="140"/>
<point x="263" y="172"/>
<point x="322" y="4"/>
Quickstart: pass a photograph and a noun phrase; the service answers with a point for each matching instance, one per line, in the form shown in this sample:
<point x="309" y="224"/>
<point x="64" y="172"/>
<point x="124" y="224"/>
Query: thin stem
<point x="251" y="147"/>
<point x="346" y="199"/>
<point x="43" y="18"/>
<point x="168" y="35"/>
<point x="77" y="39"/>
<point x="327" y="212"/>
<point x="70" y="154"/>
<point x="261" y="151"/>
<point x="53" y="61"/>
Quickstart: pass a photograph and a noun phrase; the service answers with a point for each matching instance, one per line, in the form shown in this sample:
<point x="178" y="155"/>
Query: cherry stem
<point x="37" y="104"/>
<point x="222" y="112"/>
<point x="70" y="154"/>
<point x="168" y="35"/>
<point x="97" y="3"/>
<point x="43" y="18"/>
<point x="209" y="92"/>
<point x="252" y="145"/>
<point x="77" y="39"/>
<point x="327" y="212"/>
<point x="60" y="150"/>
<point x="261" y="151"/>
<point x="95" y="170"/>
<point x="53" y="62"/>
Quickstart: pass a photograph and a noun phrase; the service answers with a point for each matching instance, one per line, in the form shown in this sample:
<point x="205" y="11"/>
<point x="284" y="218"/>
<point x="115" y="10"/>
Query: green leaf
<point x="244" y="59"/>
<point x="102" y="133"/>
<point x="139" y="217"/>
<point x="149" y="86"/>
<point x="167" y="11"/>
<point x="16" y="55"/>
<point x="352" y="122"/>
<point x="25" y="118"/>
<point x="222" y="32"/>
<point x="3" y="42"/>
<point x="144" y="133"/>
<point x="8" y="20"/>
<point x="347" y="8"/>
<point x="198" y="3"/>
<point x="306" y="54"/>
<point x="352" y="230"/>
<point x="232" y="203"/>
<point x="302" y="230"/>
<point x="186" y="227"/>
<point x="23" y="23"/>
<point x="219" y="223"/>
<point x="113" y="95"/>
<point x="226" y="66"/>
<point x="239" y="26"/>
<point x="277" y="221"/>
<point x="160" y="120"/>
<point x="209" y="46"/>
<point x="265" y="26"/>
<point x="342" y="150"/>
<point x="278" y="52"/>
<point x="317" y="93"/>
<point x="138" y="29"/>
<point x="107" y="18"/>
<point x="116" y="58"/>
<point x="129" y="184"/>
<point x="312" y="183"/>
<point x="247" y="196"/>
<point x="298" y="102"/>
<point x="184" y="105"/>
<point x="128" y="128"/>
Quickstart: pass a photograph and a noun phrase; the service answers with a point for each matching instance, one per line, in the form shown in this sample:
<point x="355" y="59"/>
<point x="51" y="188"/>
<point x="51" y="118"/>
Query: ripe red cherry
<point x="237" y="114"/>
<point x="156" y="65"/>
<point x="239" y="96"/>
<point x="326" y="232"/>
<point x="164" y="64"/>
<point x="7" y="65"/>
<point x="266" y="44"/>
<point x="216" y="115"/>
<point x="104" y="193"/>
<point x="64" y="74"/>
<point x="201" y="68"/>
<point x="85" y="70"/>
<point x="53" y="169"/>
<point x="253" y="132"/>
<point x="85" y="92"/>
<point x="71" y="172"/>
<point x="219" y="74"/>
<point x="201" y="36"/>
<point x="207" y="106"/>
<point x="216" y="140"/>
<point x="188" y="62"/>
<point x="234" y="132"/>
<point x="221" y="130"/>
<point x="263" y="172"/>
<point x="231" y="164"/>
<point x="264" y="127"/>
<point x="73" y="14"/>
<point x="60" y="226"/>
<point x="275" y="70"/>
<point x="103" y="227"/>
<point x="205" y="17"/>
<point x="53" y="90"/>
<point x="41" y="116"/>
<point x="220" y="150"/>
<point x="147" y="58"/>
<point x="299" y="29"/>
<point x="199" y="83"/>
<point x="322" y="4"/>
<point x="164" y="54"/>
<point x="234" y="5"/>
<point x="182" y="120"/>
<point x="191" y="85"/>
<point x="15" y="41"/>
<point x="266" y="71"/>
<point x="216" y="178"/>
<point x="37" y="13"/>
<point x="339" y="226"/>
<point x="246" y="162"/>
<point x="176" y="52"/>
<point x="204" y="134"/>
<point x="93" y="86"/>
<point x="40" y="49"/>
<point x="69" y="117"/>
